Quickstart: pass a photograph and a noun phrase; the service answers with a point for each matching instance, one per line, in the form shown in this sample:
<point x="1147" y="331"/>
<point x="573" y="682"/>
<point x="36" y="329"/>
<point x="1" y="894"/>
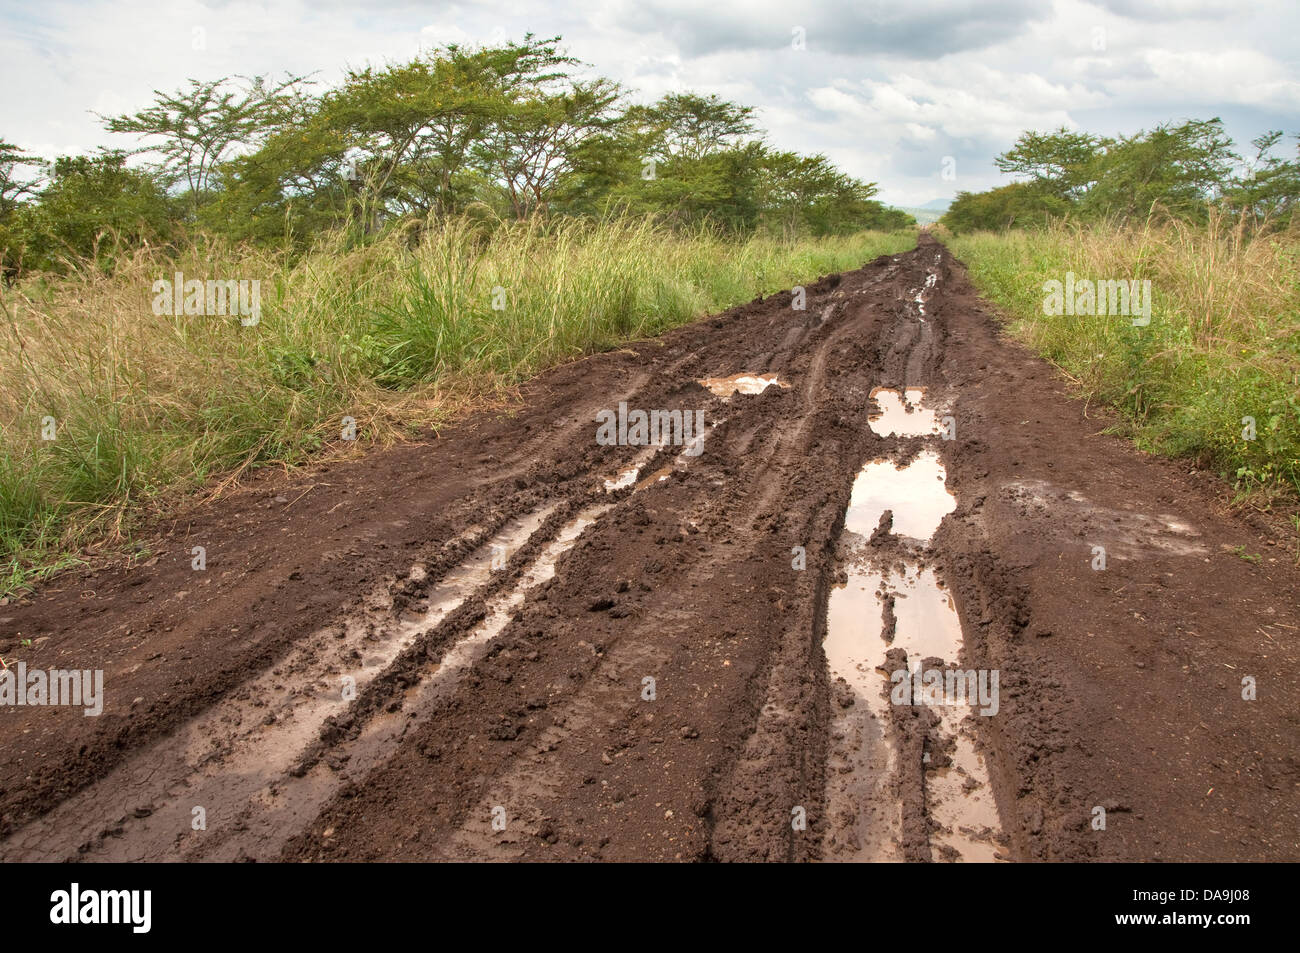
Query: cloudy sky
<point x="916" y="95"/>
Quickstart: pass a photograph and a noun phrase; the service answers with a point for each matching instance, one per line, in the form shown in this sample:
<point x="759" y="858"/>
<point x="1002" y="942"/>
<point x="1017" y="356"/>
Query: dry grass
<point x="1223" y="343"/>
<point x="397" y="333"/>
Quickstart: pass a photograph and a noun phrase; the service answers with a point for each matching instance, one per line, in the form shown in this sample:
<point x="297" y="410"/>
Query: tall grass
<point x="1223" y="343"/>
<point x="399" y="332"/>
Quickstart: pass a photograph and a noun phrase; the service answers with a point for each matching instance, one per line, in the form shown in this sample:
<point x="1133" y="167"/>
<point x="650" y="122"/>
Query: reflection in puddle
<point x="890" y="602"/>
<point x="626" y="477"/>
<point x="960" y="799"/>
<point x="902" y="415"/>
<point x="740" y="384"/>
<point x="915" y="494"/>
<point x="925" y="621"/>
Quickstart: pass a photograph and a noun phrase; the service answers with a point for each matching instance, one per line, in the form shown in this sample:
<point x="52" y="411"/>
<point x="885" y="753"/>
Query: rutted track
<point x="474" y="648"/>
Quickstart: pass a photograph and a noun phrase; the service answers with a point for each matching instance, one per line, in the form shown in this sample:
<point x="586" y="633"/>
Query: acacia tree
<point x="684" y="157"/>
<point x="1269" y="188"/>
<point x="792" y="183"/>
<point x="89" y="201"/>
<point x="690" y="126"/>
<point x="1017" y="204"/>
<point x="422" y="113"/>
<point x="416" y="133"/>
<point x="536" y="140"/>
<point x="1060" y="163"/>
<point x="509" y="126"/>
<point x="13" y="189"/>
<point x="197" y="128"/>
<point x="1177" y="168"/>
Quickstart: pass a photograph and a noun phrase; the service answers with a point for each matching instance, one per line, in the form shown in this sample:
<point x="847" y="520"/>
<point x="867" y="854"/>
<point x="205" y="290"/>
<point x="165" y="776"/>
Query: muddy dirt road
<point x="898" y="598"/>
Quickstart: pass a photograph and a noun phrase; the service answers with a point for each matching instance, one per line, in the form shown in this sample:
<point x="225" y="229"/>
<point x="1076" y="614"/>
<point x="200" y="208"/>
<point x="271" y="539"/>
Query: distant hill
<point x="923" y="216"/>
<point x="928" y="213"/>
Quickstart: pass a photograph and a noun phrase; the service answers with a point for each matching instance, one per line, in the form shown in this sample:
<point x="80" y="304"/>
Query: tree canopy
<point x="1179" y="170"/>
<point x="515" y="130"/>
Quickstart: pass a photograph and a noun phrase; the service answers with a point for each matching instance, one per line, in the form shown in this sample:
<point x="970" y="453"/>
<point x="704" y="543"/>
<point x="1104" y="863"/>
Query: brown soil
<point x="377" y="662"/>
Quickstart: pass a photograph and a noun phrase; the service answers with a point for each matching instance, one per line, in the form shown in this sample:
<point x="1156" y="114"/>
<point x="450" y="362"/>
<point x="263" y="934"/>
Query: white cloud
<point x="1229" y="76"/>
<point x="886" y="89"/>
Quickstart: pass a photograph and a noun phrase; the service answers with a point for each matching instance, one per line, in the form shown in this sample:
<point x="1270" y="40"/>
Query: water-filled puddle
<point x="626" y="477"/>
<point x="740" y="384"/>
<point x="914" y="494"/>
<point x="931" y="280"/>
<point x="961" y="800"/>
<point x="501" y="608"/>
<point x="902" y="415"/>
<point x="301" y="795"/>
<point x="924" y="618"/>
<point x="663" y="473"/>
<point x="631" y="475"/>
<point x="888" y="600"/>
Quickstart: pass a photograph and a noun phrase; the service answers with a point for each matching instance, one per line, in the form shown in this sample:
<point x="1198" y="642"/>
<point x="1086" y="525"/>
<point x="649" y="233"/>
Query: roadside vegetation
<point x="1215" y="375"/>
<point x="424" y="237"/>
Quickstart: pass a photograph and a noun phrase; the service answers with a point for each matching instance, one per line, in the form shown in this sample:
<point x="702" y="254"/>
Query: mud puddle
<point x="630" y="475"/>
<point x="908" y="609"/>
<point x="501" y="609"/>
<point x="725" y="387"/>
<point x="903" y="414"/>
<point x="921" y="294"/>
<point x="887" y="601"/>
<point x="959" y="798"/>
<point x="663" y="473"/>
<point x="625" y="478"/>
<point x="914" y="495"/>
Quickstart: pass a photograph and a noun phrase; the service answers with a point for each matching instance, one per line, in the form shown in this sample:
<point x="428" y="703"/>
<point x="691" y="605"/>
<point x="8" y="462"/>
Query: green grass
<point x="395" y="333"/>
<point x="1223" y="343"/>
